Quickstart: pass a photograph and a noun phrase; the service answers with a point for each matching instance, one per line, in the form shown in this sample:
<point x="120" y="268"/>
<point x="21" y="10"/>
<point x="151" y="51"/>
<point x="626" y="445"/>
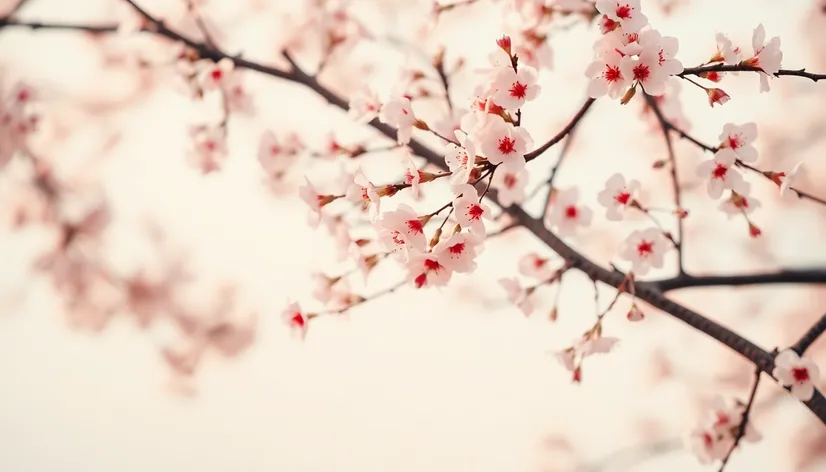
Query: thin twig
<point x="811" y="336"/>
<point x="564" y="132"/>
<point x="741" y="430"/>
<point x="744" y="68"/>
<point x="555" y="171"/>
<point x="675" y="181"/>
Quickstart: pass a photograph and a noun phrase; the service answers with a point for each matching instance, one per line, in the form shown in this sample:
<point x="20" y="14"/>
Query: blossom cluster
<point x="714" y="438"/>
<point x="17" y="121"/>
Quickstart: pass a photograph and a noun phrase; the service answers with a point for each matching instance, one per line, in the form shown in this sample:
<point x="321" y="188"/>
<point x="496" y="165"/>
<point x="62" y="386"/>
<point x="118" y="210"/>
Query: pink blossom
<point x="740" y="139"/>
<point x="296" y="320"/>
<point x="536" y="266"/>
<point x="739" y="203"/>
<point x="721" y="173"/>
<point x="402" y="230"/>
<point x="412" y="176"/>
<point x="209" y="148"/>
<point x="510" y="184"/>
<point x="470" y="211"/>
<point x="460" y="159"/>
<point x="726" y="52"/>
<point x="617" y="196"/>
<point x="398" y="112"/>
<point x="645" y="249"/>
<point x="626" y="12"/>
<point x="797" y="372"/>
<point x="606" y="76"/>
<point x="646" y="71"/>
<point x="513" y="89"/>
<point x="566" y="214"/>
<point x="459" y="252"/>
<point x="708" y="445"/>
<point x="767" y="56"/>
<point x="635" y="314"/>
<point x="214" y="75"/>
<point x="363" y="191"/>
<point x="665" y="47"/>
<point x="275" y="158"/>
<point x="789" y="178"/>
<point x="504" y="143"/>
<point x="364" y="105"/>
<point x="428" y="269"/>
<point x="518" y="295"/>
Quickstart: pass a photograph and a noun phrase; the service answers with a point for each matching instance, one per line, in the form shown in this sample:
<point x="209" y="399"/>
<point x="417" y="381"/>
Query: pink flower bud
<point x="505" y="43"/>
<point x="717" y="96"/>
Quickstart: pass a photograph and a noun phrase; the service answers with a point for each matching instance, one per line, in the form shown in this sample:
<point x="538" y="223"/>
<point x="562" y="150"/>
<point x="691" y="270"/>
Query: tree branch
<point x="789" y="276"/>
<point x="675" y="181"/>
<point x="741" y="430"/>
<point x="811" y="336"/>
<point x="743" y="68"/>
<point x="567" y="129"/>
<point x="647" y="292"/>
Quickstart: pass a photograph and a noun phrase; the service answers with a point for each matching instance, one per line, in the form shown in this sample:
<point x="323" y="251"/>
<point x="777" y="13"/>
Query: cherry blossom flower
<point x="645" y="249"/>
<point x="449" y="124"/>
<point x="797" y="372"/>
<point x="740" y="139"/>
<point x="398" y="112"/>
<point x="646" y="71"/>
<point x="323" y="287"/>
<point x="237" y="97"/>
<point x="470" y="211"/>
<point x="518" y="295"/>
<point x="459" y="252"/>
<point x="428" y="269"/>
<point x="209" y="148"/>
<point x="717" y="96"/>
<point x="665" y="47"/>
<point x="625" y="12"/>
<point x="214" y="75"/>
<point x="721" y="173"/>
<point x="591" y="342"/>
<point x="460" y="159"/>
<point x="708" y="445"/>
<point x="606" y="76"/>
<point x="617" y="196"/>
<point x="296" y="320"/>
<point x="364" y="105"/>
<point x="506" y="144"/>
<point x="275" y="157"/>
<point x="412" y="175"/>
<point x="739" y="203"/>
<point x="567" y="214"/>
<point x="725" y="418"/>
<point x="363" y="191"/>
<point x="513" y="89"/>
<point x="726" y="52"/>
<point x="767" y="56"/>
<point x="402" y="230"/>
<point x="510" y="184"/>
<point x="635" y="314"/>
<point x="533" y="265"/>
<point x="788" y="179"/>
<point x="314" y="200"/>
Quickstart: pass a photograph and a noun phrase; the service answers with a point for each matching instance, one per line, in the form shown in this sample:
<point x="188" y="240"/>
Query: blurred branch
<point x="741" y="430"/>
<point x="744" y="68"/>
<point x="555" y="171"/>
<point x="647" y="292"/>
<point x="675" y="181"/>
<point x="791" y="276"/>
<point x="811" y="336"/>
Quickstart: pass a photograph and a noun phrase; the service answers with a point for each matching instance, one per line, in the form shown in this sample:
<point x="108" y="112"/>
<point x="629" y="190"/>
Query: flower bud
<point x="712" y="76"/>
<point x="776" y="177"/>
<point x="717" y="96"/>
<point x="681" y="213"/>
<point x="387" y="190"/>
<point x="361" y="242"/>
<point x="659" y="164"/>
<point x="554" y="314"/>
<point x="426" y="176"/>
<point x="505" y="44"/>
<point x="436" y="236"/>
<point x="629" y="94"/>
<point x="421" y="125"/>
<point x="754" y="231"/>
<point x="324" y="200"/>
<point x="635" y="314"/>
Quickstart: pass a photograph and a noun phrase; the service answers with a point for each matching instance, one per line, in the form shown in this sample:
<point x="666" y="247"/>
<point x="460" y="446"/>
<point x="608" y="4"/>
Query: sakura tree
<point x="465" y="168"/>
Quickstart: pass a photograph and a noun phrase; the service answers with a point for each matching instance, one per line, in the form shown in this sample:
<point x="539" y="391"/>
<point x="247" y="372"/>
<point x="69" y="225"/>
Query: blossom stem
<point x="564" y="132"/>
<point x="741" y="429"/>
<point x="746" y="68"/>
<point x="675" y="181"/>
<point x="695" y="83"/>
<point x="445" y="80"/>
<point x="364" y="300"/>
<point x="799" y="193"/>
<point x="811" y="336"/>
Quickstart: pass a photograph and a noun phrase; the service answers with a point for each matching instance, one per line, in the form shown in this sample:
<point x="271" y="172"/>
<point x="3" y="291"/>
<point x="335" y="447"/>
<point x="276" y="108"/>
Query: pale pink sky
<point x="456" y="380"/>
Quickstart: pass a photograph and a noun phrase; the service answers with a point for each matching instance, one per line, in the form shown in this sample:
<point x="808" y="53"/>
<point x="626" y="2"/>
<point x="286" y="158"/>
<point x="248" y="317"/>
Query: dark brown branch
<point x="567" y="129"/>
<point x="744" y="68"/>
<point x="675" y="181"/>
<point x="744" y="421"/>
<point x="791" y="276"/>
<point x="647" y="292"/>
<point x="35" y="25"/>
<point x="811" y="336"/>
<point x="439" y="65"/>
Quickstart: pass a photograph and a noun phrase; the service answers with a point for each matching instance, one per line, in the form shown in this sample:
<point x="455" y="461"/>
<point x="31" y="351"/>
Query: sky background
<point x="450" y="380"/>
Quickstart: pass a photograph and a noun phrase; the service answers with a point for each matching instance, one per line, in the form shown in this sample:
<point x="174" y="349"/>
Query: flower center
<point x="645" y="248"/>
<point x="800" y="374"/>
<point x="719" y="172"/>
<point x="430" y="264"/>
<point x="475" y="212"/>
<point x="612" y="73"/>
<point x="217" y="74"/>
<point x="518" y="90"/>
<point x="457" y="248"/>
<point x="510" y="180"/>
<point x="734" y="141"/>
<point x="297" y="320"/>
<point x="641" y="72"/>
<point x="539" y="262"/>
<point x="507" y="145"/>
<point x="571" y="212"/>
<point x="415" y="226"/>
<point x="622" y="197"/>
<point x="623" y="12"/>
